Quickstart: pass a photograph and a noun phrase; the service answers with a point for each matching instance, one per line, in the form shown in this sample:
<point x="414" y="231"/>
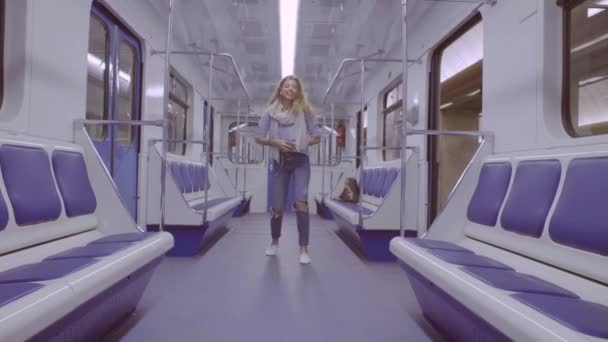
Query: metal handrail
<point x="466" y="169"/>
<point x="483" y="2"/>
<point x="161" y="123"/>
<point x="89" y="122"/>
<point x="188" y="141"/>
<point x="485" y="134"/>
<point x="211" y="55"/>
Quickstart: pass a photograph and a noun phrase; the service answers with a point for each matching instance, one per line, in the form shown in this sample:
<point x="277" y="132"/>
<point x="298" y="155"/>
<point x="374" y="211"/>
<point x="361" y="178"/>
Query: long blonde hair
<point x="300" y="103"/>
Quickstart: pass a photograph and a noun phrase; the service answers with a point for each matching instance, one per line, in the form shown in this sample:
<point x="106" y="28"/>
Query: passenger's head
<point x="290" y="92"/>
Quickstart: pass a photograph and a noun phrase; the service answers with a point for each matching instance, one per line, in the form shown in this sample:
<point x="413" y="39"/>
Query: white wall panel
<point x="510" y="75"/>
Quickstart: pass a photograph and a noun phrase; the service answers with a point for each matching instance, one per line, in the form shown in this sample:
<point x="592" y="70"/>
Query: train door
<point x="455" y="104"/>
<point x="113" y="93"/>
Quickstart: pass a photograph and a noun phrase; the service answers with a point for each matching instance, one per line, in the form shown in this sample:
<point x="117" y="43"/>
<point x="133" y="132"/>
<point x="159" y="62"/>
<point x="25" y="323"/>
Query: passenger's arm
<point x="313" y="133"/>
<point x="263" y="127"/>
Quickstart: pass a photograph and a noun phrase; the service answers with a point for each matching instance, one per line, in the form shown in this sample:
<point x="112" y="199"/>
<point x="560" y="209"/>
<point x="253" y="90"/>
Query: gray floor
<point x="231" y="291"/>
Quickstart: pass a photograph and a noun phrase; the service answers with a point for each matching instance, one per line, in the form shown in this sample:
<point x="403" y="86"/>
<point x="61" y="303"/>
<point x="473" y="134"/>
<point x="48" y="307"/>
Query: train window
<point x="329" y="150"/>
<point x="97" y="77"/>
<point x="245" y="150"/>
<point x="361" y="120"/>
<point x="585" y="93"/>
<point x="126" y="90"/>
<point x="455" y="104"/>
<point x="211" y="122"/>
<point x="391" y="110"/>
<point x="178" y="113"/>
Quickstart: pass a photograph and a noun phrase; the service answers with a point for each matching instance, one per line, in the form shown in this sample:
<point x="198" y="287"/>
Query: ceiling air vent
<point x="251" y="28"/>
<point x="319" y="50"/>
<point x="255" y="47"/>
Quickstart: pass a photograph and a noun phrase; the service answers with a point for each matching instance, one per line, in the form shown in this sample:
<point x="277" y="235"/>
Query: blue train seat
<point x="196" y="204"/>
<point x="546" y="224"/>
<point x="51" y="269"/>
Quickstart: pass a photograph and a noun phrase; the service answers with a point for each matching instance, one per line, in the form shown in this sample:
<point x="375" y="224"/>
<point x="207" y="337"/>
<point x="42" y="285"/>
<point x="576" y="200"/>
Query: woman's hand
<point x="284" y="145"/>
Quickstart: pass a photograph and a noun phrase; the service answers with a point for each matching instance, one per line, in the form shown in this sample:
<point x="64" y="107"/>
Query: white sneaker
<point x="304" y="258"/>
<point x="272" y="250"/>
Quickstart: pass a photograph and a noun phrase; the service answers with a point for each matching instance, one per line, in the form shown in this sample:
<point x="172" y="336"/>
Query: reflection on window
<point x="97" y="78"/>
<point x="456" y="105"/>
<point x="391" y="108"/>
<point x="210" y="140"/>
<point x="586" y="63"/>
<point x="329" y="150"/>
<point x="242" y="147"/>
<point x="126" y="91"/>
<point x="178" y="113"/>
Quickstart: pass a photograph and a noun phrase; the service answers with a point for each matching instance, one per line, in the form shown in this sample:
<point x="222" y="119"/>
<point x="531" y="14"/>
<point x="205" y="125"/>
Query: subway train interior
<point x="436" y="170"/>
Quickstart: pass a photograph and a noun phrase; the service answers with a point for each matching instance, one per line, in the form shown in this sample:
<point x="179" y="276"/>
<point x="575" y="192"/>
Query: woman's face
<point x="289" y="90"/>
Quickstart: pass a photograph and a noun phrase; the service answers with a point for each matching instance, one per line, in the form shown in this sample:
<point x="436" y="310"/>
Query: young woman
<point x="287" y="127"/>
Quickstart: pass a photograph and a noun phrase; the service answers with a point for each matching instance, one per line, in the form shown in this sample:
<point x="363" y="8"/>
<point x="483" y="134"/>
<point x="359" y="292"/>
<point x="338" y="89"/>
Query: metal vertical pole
<point x="322" y="148"/>
<point x="206" y="135"/>
<point x="163" y="163"/>
<point x="403" y="115"/>
<point x="361" y="151"/>
<point x="333" y="123"/>
<point x="245" y="166"/>
<point x="238" y="143"/>
<point x="331" y="175"/>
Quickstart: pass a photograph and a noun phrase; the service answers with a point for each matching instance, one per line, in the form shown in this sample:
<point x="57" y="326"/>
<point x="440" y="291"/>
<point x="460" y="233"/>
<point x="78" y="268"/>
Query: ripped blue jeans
<point x="296" y="165"/>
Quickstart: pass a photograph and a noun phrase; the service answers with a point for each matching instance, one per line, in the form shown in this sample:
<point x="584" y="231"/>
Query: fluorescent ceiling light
<point x="589" y="43"/>
<point x="288" y="11"/>
<point x="474" y="92"/>
<point x="329" y="130"/>
<point x="97" y="63"/>
<point x="446" y="105"/>
<point x="592" y="80"/>
<point x="591" y="11"/>
<point x="236" y="128"/>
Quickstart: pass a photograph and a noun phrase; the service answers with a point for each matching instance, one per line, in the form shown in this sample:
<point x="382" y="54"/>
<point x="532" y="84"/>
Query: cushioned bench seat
<point x="11" y="292"/>
<point x="355" y="207"/>
<point x="211" y="203"/>
<point x="438" y="244"/>
<point x="377" y="218"/>
<point x="44" y="270"/>
<point x="91" y="251"/>
<point x="125" y="237"/>
<point x="468" y="259"/>
<point x="509" y="280"/>
<point x="550" y="234"/>
<point x="52" y="215"/>
<point x="583" y="316"/>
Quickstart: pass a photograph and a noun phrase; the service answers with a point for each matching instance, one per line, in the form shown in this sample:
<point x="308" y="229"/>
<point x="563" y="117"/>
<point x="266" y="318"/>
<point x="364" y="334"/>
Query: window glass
<point x="241" y="149"/>
<point x="456" y="104"/>
<point x="126" y="91"/>
<point x="178" y="114"/>
<point x="391" y="109"/>
<point x="97" y="78"/>
<point x="329" y="149"/>
<point x="361" y="120"/>
<point x="586" y="64"/>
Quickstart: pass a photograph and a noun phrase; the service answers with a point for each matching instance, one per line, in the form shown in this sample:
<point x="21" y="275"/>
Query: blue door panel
<point x="124" y="163"/>
<point x="121" y="159"/>
<point x="104" y="147"/>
